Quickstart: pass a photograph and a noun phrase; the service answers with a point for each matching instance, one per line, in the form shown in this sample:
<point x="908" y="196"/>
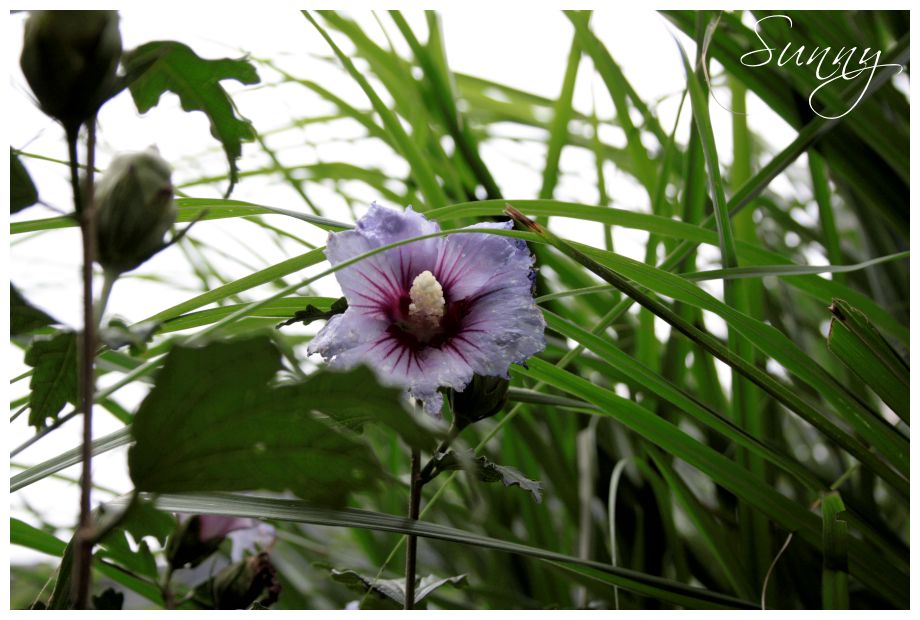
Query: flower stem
<point x="107" y="284"/>
<point x="428" y="472"/>
<point x="169" y="597"/>
<point x="415" y="500"/>
<point x="83" y="205"/>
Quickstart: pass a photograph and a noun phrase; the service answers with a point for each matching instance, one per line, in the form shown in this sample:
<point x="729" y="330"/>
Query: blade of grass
<point x="301" y="512"/>
<point x="785" y="352"/>
<point x="712" y="533"/>
<point x="418" y="164"/>
<point x="834" y="577"/>
<point x="865" y="565"/>
<point x="559" y="126"/>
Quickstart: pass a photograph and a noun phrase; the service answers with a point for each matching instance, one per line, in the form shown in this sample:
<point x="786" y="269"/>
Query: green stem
<point x="107" y="283"/>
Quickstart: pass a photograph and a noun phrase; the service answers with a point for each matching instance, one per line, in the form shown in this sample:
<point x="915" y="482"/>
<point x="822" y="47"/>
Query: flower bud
<point x="254" y="580"/>
<point x="199" y="536"/>
<point x="482" y="398"/>
<point x="134" y="209"/>
<point x="70" y="59"/>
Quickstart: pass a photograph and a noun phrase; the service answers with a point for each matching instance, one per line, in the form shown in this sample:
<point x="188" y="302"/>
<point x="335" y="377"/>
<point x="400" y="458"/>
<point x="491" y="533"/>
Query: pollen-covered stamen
<point x="426" y="307"/>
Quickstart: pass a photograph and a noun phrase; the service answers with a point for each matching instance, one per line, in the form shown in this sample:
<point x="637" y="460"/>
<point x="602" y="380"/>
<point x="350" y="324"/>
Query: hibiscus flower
<point x="432" y="313"/>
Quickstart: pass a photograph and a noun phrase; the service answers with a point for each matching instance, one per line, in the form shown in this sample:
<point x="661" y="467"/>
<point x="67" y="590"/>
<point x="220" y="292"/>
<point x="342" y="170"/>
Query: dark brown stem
<point x="415" y="500"/>
<point x="83" y="204"/>
<point x="428" y="472"/>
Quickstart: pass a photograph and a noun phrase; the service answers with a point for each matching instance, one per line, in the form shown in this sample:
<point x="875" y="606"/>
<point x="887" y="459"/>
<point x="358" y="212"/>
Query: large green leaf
<point x="24" y="317"/>
<point x="227" y="428"/>
<point x="54" y="381"/>
<point x="22" y="190"/>
<point x="175" y="67"/>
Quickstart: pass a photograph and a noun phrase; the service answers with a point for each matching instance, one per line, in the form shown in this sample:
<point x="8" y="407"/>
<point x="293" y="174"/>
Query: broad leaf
<point x="214" y="422"/>
<point x="24" y="317"/>
<point x="196" y="81"/>
<point x="25" y="535"/>
<point x="140" y="521"/>
<point x="109" y="599"/>
<point x="487" y="471"/>
<point x="391" y="593"/>
<point x="54" y="381"/>
<point x="22" y="190"/>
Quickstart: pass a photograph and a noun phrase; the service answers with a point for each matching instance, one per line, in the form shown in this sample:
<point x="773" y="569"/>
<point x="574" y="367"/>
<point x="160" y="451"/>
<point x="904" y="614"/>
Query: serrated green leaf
<point x="487" y="471"/>
<point x="54" y="381"/>
<point x="391" y="593"/>
<point x="142" y="519"/>
<point x="196" y="81"/>
<point x="22" y="190"/>
<point x="109" y="599"/>
<point x="228" y="429"/>
<point x="24" y="317"/>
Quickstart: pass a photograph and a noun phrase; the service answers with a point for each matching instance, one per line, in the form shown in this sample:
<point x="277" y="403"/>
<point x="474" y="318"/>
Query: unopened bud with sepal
<point x="135" y="208"/>
<point x="70" y="59"/>
<point x="254" y="581"/>
<point x="199" y="536"/>
<point x="483" y="398"/>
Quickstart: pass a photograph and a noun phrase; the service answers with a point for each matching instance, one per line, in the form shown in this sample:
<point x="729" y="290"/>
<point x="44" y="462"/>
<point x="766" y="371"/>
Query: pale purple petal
<point x="344" y="332"/>
<point x="382" y="226"/>
<point x="486" y="320"/>
<point x="469" y="262"/>
<point x="251" y="540"/>
<point x="371" y="286"/>
<point x="218" y="526"/>
<point x="504" y="327"/>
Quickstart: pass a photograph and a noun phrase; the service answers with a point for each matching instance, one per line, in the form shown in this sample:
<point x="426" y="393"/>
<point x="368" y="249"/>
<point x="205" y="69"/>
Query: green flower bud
<point x="482" y="398"/>
<point x="240" y="585"/>
<point x="70" y="59"/>
<point x="134" y="209"/>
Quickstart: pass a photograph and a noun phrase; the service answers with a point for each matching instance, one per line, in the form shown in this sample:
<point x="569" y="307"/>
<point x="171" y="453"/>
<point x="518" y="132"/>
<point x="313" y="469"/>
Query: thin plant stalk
<point x="415" y="500"/>
<point x="83" y="205"/>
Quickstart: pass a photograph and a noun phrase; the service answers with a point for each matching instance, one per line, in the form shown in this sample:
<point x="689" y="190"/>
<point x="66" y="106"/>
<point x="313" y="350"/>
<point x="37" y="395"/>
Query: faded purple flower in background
<point x="218" y="526"/>
<point x="431" y="313"/>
